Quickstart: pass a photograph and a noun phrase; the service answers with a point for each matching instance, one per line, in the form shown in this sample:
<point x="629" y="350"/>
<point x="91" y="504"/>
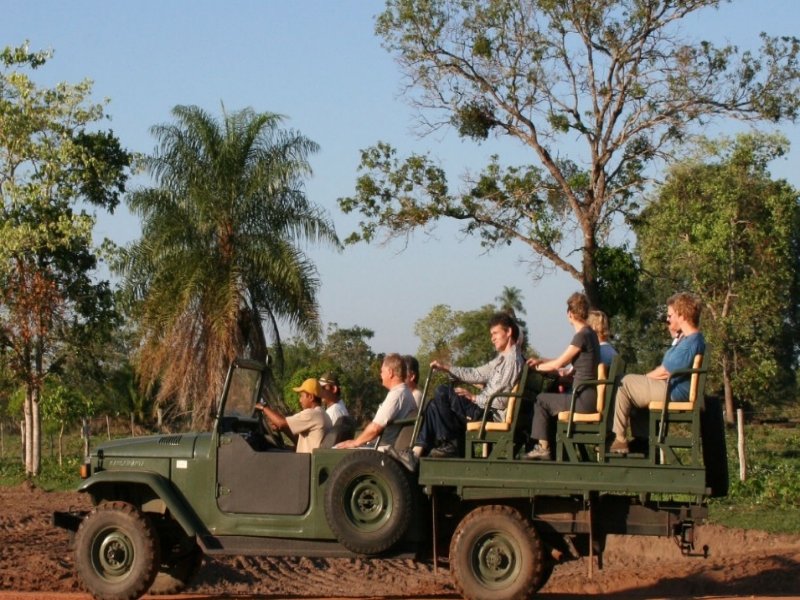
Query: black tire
<point x="496" y="554"/>
<point x="181" y="558"/>
<point x="117" y="552"/>
<point x="368" y="502"/>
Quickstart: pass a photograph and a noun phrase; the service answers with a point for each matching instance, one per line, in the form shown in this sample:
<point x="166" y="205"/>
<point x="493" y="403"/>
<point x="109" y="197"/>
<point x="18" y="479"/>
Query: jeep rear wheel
<point x="116" y="552"/>
<point x="368" y="502"/>
<point x="496" y="554"/>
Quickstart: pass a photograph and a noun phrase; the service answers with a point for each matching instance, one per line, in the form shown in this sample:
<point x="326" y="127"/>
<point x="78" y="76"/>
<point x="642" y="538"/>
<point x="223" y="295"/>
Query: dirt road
<point x="35" y="562"/>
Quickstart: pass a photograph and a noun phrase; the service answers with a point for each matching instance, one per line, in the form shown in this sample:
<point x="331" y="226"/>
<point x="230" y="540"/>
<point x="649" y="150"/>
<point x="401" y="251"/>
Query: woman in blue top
<point x="637" y="391"/>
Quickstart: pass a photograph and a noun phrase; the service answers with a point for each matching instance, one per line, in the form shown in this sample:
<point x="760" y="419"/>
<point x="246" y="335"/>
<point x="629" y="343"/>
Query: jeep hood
<point x="180" y="445"/>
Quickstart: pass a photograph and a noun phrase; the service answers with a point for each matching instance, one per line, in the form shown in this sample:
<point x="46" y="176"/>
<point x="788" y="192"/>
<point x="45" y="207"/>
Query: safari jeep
<point x="164" y="501"/>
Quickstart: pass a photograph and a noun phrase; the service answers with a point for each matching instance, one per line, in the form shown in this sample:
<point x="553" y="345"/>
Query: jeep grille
<point x="170" y="440"/>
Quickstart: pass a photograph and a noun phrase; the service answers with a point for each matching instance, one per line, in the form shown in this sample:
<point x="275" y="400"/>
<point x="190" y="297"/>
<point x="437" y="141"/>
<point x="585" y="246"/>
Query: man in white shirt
<point x="398" y="404"/>
<point x="331" y="395"/>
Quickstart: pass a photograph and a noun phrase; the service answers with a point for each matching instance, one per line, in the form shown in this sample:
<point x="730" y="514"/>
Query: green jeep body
<point x="164" y="501"/>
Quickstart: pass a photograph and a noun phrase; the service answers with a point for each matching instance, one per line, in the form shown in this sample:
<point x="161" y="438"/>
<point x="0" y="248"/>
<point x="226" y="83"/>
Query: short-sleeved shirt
<point x="607" y="354"/>
<point x="310" y="426"/>
<point x="336" y="411"/>
<point x="681" y="356"/>
<point x="398" y="404"/>
<point x="585" y="363"/>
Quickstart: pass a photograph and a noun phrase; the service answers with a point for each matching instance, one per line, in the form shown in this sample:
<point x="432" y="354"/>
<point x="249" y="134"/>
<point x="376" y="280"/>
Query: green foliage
<point x="62" y="407"/>
<point x="220" y="263"/>
<point x="618" y="274"/>
<point x="474" y="121"/>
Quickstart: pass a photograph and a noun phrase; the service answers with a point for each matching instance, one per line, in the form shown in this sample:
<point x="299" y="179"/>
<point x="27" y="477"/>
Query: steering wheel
<point x="273" y="437"/>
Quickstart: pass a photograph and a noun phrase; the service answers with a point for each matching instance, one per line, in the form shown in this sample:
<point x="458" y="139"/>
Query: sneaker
<point x="447" y="449"/>
<point x="619" y="447"/>
<point x="539" y="453"/>
<point x="405" y="457"/>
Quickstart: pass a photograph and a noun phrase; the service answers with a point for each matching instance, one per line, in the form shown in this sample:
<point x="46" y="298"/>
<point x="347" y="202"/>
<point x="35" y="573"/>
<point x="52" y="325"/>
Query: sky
<point x="319" y="63"/>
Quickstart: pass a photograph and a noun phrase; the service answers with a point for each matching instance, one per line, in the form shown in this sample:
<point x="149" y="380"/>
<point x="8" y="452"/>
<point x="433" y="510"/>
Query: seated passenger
<point x="332" y="396"/>
<point x="583" y="353"/>
<point x="447" y="413"/>
<point x="398" y="404"/>
<point x="412" y="377"/>
<point x="598" y="320"/>
<point x="637" y="391"/>
<point x="307" y="427"/>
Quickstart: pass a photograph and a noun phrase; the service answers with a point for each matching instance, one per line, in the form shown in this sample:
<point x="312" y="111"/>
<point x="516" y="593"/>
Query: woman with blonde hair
<point x="598" y="320"/>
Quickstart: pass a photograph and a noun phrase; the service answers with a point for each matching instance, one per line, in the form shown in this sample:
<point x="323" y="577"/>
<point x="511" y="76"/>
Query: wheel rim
<point x="495" y="559"/>
<point x="112" y="554"/>
<point x="369" y="503"/>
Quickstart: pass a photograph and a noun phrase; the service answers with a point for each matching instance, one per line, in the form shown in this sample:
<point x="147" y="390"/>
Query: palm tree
<point x="510" y="301"/>
<point x="218" y="265"/>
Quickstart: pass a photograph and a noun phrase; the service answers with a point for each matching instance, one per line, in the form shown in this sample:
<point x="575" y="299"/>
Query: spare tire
<point x="368" y="502"/>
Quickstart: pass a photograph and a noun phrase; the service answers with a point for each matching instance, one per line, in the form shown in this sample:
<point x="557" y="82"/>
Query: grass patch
<point x="769" y="498"/>
<point x="53" y="477"/>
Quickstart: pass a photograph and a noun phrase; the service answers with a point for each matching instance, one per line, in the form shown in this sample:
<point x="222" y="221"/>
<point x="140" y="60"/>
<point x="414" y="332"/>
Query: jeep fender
<point x="159" y="485"/>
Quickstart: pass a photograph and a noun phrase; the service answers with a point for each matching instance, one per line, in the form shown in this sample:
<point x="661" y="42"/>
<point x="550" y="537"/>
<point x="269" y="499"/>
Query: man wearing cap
<point x="331" y="395"/>
<point x="307" y="427"/>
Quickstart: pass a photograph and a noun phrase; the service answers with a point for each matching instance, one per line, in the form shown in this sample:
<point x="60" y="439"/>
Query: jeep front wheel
<point x="368" y="502"/>
<point x="116" y="552"/>
<point x="496" y="554"/>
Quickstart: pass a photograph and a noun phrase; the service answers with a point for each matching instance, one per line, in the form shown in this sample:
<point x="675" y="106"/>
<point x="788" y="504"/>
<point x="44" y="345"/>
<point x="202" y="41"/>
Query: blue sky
<point x="319" y="63"/>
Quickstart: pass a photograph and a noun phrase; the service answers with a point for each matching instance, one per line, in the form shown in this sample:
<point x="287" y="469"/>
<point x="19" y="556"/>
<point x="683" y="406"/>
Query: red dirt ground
<point x="35" y="560"/>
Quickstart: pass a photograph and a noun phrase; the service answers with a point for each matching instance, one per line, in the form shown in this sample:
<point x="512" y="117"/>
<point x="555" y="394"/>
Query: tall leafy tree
<point x="723" y="228"/>
<point x="54" y="165"/>
<point x="614" y="76"/>
<point x="219" y="263"/>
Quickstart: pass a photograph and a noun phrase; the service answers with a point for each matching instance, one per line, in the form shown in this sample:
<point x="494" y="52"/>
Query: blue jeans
<point x="445" y="418"/>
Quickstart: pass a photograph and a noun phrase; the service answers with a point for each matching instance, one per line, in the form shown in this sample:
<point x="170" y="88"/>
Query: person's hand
<point x="437" y="365"/>
<point x="465" y="393"/>
<point x="346" y="444"/>
<point x="532" y="362"/>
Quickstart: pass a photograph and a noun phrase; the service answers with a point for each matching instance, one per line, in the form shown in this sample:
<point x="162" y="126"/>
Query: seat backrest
<point x="694" y="382"/>
<point x="601" y="387"/>
<point x="343" y="429"/>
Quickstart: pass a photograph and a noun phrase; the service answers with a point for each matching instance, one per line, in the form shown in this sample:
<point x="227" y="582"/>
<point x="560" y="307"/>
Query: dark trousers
<point x="445" y="418"/>
<point x="548" y="406"/>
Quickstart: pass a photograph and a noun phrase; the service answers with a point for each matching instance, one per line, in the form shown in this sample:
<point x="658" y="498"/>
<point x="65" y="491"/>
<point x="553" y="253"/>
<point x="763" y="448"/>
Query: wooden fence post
<point x="741" y="445"/>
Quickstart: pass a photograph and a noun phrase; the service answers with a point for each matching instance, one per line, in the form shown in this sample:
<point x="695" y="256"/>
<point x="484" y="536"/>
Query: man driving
<point x="307" y="427"/>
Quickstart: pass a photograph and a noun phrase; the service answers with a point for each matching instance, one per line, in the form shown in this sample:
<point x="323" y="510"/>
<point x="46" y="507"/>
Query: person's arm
<point x="553" y="364"/>
<point x="276" y="419"/>
<point x="659" y="373"/>
<point x="476" y="375"/>
<point x="370" y="432"/>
